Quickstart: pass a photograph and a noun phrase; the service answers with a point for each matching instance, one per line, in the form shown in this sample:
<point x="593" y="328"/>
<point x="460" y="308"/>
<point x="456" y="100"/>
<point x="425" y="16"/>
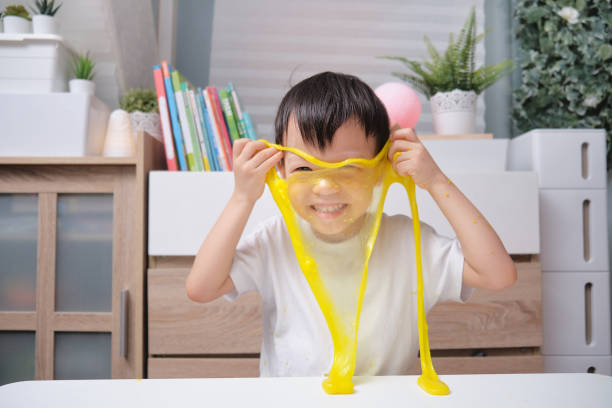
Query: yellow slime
<point x="344" y="336"/>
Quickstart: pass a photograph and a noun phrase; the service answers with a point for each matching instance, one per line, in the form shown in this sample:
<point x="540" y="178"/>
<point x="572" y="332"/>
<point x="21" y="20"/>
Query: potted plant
<point x="16" y="20"/>
<point x="451" y="81"/>
<point x="43" y="19"/>
<point x="141" y="104"/>
<point x="83" y="75"/>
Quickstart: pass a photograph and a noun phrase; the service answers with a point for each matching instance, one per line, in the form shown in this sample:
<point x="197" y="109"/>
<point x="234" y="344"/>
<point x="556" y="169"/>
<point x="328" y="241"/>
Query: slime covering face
<point x="332" y="206"/>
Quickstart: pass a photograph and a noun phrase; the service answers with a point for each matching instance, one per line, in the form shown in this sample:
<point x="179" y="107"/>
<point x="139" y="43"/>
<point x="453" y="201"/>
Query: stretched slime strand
<point x="339" y="380"/>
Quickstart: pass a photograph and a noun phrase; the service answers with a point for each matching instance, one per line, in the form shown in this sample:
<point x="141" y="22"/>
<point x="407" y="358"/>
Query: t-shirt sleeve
<point x="247" y="265"/>
<point x="442" y="268"/>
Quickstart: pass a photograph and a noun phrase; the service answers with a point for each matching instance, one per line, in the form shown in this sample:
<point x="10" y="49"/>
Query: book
<point x="237" y="109"/>
<point x="222" y="124"/>
<point x="249" y="125"/>
<point x="164" y="118"/>
<point x="180" y="104"/>
<point x="198" y="125"/>
<point x="211" y="137"/>
<point x="176" y="127"/>
<point x="216" y="131"/>
<point x="197" y="153"/>
<point x="229" y="115"/>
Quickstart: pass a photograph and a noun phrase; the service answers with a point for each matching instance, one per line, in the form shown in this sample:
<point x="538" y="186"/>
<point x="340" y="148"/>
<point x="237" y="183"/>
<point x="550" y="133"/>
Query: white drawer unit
<point x="576" y="313"/>
<point x="563" y="158"/>
<point x="574" y="235"/>
<point x="578" y="364"/>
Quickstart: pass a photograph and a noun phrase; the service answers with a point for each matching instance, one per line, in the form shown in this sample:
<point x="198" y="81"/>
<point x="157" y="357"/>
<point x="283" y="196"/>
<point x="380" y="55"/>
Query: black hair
<point x="324" y="102"/>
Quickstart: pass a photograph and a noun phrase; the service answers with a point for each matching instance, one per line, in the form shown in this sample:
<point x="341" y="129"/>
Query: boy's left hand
<point x="413" y="159"/>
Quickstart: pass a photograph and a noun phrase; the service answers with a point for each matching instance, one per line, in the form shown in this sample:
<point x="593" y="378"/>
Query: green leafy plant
<point x="136" y="99"/>
<point x="83" y="67"/>
<point x="455" y="68"/>
<point x="46" y="8"/>
<point x="17" y="11"/>
<point x="565" y="57"/>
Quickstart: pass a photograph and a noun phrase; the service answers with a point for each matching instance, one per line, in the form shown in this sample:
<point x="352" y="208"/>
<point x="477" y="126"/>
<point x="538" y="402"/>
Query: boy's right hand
<point x="252" y="160"/>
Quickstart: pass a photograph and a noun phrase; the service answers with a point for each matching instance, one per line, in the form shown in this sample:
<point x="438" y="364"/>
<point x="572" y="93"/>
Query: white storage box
<point x="183" y="207"/>
<point x="576" y="313"/>
<point x="469" y="155"/>
<point x="578" y="364"/>
<point x="34" y="63"/>
<point x="563" y="158"/>
<point x="568" y="243"/>
<point x="52" y="124"/>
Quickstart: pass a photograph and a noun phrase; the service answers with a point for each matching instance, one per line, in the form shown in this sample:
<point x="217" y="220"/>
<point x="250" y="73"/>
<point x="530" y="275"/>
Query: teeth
<point x="328" y="209"/>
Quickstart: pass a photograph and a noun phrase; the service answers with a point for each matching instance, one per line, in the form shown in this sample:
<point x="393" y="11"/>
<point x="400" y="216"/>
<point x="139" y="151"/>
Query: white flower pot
<point x="16" y="25"/>
<point x="119" y="141"/>
<point x="82" y="86"/>
<point x="43" y="24"/>
<point x="149" y="122"/>
<point x="454" y="112"/>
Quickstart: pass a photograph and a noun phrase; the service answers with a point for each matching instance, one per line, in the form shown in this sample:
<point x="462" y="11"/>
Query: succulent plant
<point x="83" y="67"/>
<point x="137" y="99"/>
<point x="44" y="7"/>
<point x="17" y="11"/>
<point x="455" y="69"/>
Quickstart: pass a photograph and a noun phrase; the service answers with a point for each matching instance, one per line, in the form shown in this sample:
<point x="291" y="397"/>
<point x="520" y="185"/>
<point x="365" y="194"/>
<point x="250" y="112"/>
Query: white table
<point x="473" y="391"/>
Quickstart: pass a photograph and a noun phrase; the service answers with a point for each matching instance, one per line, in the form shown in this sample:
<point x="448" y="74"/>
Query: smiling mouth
<point x="328" y="211"/>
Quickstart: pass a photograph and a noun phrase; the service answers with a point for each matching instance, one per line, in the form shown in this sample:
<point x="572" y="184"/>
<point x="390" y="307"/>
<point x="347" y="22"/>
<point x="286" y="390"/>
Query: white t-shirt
<point x="296" y="340"/>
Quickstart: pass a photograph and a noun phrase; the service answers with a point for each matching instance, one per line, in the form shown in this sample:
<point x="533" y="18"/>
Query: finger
<point x="271" y="161"/>
<point x="251" y="149"/>
<point x="238" y="146"/>
<point x="406" y="134"/>
<point x="261" y="156"/>
<point x="401" y="146"/>
<point x="404" y="167"/>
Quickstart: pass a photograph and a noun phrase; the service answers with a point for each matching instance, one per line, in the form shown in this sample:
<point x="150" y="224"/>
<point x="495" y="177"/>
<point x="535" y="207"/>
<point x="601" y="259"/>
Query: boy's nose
<point x="325" y="186"/>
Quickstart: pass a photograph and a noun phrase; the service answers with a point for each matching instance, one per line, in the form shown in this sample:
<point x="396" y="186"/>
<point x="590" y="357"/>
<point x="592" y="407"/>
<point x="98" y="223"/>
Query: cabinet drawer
<point x="179" y="326"/>
<point x="508" y="318"/>
<point x="203" y="367"/>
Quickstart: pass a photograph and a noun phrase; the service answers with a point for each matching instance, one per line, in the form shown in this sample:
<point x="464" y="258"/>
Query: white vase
<point x="16" y="25"/>
<point x="44" y="24"/>
<point x="149" y="122"/>
<point x="82" y="86"/>
<point x="119" y="141"/>
<point x="454" y="112"/>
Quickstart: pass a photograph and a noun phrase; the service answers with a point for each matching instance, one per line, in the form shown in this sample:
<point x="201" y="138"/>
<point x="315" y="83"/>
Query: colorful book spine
<point x="164" y="117"/>
<point x="249" y="125"/>
<point x="211" y="136"/>
<point x="198" y="125"/>
<point x="237" y="110"/>
<point x="197" y="153"/>
<point x="180" y="104"/>
<point x="229" y="115"/>
<point x="205" y="140"/>
<point x="174" y="119"/>
<point x="222" y="124"/>
<point x="216" y="131"/>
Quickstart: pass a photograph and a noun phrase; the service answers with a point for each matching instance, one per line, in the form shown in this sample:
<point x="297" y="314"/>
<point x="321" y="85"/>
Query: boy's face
<point x="332" y="201"/>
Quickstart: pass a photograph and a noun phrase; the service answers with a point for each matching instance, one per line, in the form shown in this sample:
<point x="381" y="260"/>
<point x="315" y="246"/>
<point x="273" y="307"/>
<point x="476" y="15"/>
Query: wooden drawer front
<point x="491" y="319"/>
<point x="485" y="365"/>
<point x="203" y="367"/>
<point x="180" y="326"/>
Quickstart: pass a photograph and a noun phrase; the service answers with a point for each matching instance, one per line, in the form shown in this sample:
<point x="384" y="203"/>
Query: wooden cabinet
<point x="72" y="276"/>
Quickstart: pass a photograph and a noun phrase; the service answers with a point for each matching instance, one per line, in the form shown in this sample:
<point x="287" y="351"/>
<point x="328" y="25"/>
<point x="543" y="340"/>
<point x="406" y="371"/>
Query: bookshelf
<point x="74" y="252"/>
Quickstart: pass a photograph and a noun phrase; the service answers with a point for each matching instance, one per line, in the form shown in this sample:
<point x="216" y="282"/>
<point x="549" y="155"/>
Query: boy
<point x="334" y="117"/>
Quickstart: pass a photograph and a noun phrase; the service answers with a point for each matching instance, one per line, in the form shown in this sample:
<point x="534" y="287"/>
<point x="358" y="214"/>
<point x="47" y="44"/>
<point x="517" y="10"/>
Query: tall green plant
<point x="455" y="68"/>
<point x="565" y="56"/>
<point x="83" y="67"/>
<point x="46" y="8"/>
<point x="17" y="11"/>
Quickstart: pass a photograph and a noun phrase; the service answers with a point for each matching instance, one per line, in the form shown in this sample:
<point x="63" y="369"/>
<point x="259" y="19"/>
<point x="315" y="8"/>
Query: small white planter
<point x="148" y="122"/>
<point x="16" y="25"/>
<point x="454" y="112"/>
<point x="82" y="86"/>
<point x="119" y="141"/>
<point x="43" y="24"/>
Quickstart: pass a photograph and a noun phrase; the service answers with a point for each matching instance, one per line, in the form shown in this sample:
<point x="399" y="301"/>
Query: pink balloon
<point x="402" y="103"/>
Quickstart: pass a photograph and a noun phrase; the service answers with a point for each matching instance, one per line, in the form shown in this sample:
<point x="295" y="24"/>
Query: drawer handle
<point x="588" y="322"/>
<point x="586" y="242"/>
<point x="123" y="336"/>
<point x="585" y="160"/>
